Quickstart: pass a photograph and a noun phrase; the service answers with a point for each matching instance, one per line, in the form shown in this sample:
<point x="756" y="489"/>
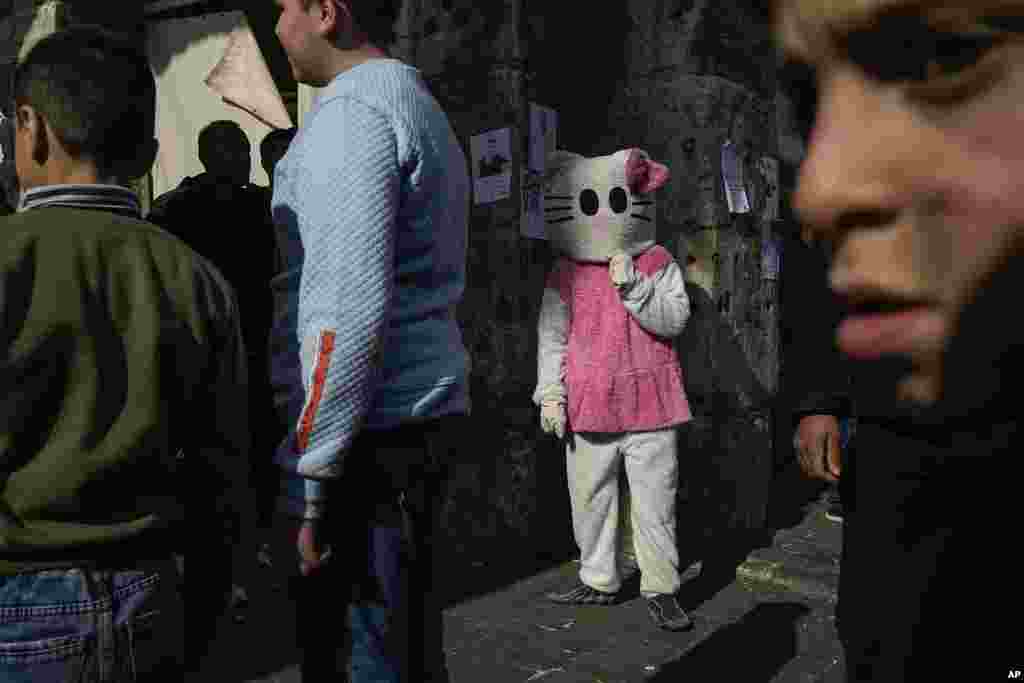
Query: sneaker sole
<point x="601" y="602"/>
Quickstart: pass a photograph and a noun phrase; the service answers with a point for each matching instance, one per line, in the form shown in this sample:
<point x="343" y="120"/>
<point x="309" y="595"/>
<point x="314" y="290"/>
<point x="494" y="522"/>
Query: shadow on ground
<point x="754" y="648"/>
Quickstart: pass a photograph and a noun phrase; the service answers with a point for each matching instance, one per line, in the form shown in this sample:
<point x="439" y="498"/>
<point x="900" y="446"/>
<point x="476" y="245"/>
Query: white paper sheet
<point x="492" y="165"/>
<point x="542" y="143"/>
<point x="242" y="78"/>
<point x="769" y="169"/>
<point x="771" y="259"/>
<point x="733" y="177"/>
<point x="543" y="133"/>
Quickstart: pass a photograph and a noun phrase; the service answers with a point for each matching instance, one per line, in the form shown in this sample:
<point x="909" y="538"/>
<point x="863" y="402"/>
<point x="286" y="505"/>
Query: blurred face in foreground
<point x="915" y="166"/>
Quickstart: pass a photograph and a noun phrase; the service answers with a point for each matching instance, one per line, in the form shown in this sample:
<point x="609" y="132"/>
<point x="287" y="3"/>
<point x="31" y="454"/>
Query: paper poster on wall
<point x="542" y="142"/>
<point x="768" y="167"/>
<point x="543" y="133"/>
<point x="492" y="165"/>
<point x="771" y="259"/>
<point x="734" y="180"/>
<point x="242" y="79"/>
<point x="531" y="221"/>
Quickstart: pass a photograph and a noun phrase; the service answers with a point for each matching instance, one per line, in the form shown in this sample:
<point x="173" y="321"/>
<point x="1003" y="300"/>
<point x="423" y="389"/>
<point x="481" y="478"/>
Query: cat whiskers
<point x="550" y="209"/>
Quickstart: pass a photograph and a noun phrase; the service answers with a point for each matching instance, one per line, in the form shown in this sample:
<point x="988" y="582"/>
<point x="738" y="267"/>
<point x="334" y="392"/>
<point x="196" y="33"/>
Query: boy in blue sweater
<point x="373" y="198"/>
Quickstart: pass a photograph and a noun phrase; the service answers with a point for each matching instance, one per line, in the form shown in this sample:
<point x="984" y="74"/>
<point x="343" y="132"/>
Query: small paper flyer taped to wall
<point x="768" y="167"/>
<point x="733" y="177"/>
<point x="543" y="134"/>
<point x="771" y="259"/>
<point x="492" y="165"/>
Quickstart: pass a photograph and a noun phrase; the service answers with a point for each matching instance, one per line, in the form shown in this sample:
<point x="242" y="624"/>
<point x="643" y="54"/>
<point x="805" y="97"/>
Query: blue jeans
<point x="90" y="626"/>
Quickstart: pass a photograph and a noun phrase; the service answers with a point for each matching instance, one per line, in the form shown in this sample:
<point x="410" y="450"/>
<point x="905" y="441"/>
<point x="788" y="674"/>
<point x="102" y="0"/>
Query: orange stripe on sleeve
<point x="316" y="391"/>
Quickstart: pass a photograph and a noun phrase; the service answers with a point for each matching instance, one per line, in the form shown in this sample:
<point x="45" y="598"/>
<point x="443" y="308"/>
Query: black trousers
<point x="392" y="486"/>
<point x="920" y="567"/>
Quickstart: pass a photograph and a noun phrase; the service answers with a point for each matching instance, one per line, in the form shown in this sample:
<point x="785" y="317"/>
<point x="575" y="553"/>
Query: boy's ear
<point x="33" y="127"/>
<point x="24" y="115"/>
<point x="335" y="18"/>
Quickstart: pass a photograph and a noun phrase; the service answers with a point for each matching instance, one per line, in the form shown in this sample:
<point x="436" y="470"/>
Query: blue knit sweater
<point x="371" y="209"/>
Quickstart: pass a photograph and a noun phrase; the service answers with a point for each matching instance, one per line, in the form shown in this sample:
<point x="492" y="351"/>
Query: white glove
<point x="553" y="418"/>
<point x="621" y="270"/>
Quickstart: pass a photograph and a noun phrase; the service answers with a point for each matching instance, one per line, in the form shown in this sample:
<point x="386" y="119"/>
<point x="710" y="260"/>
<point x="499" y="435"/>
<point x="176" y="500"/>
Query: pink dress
<point x="619" y="376"/>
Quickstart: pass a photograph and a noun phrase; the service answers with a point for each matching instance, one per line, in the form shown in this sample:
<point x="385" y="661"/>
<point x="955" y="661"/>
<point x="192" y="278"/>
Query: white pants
<point x="593" y="462"/>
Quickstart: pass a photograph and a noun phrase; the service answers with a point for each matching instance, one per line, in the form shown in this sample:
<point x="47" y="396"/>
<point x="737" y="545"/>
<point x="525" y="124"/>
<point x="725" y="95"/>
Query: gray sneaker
<point x="667" y="613"/>
<point x="582" y="594"/>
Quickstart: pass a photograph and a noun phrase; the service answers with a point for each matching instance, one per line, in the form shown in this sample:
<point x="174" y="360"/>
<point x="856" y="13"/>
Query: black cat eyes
<point x="617" y="200"/>
<point x="590" y="203"/>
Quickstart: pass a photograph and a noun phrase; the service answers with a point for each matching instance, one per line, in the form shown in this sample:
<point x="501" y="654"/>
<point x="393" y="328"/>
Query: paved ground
<point x="769" y="618"/>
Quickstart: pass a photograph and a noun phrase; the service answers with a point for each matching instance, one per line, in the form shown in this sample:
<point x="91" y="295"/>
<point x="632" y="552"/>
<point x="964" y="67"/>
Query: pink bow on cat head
<point x="644" y="175"/>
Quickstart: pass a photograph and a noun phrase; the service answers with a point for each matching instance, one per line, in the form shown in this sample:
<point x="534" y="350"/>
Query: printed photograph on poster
<point x="492" y="165"/>
<point x="734" y="179"/>
<point x="768" y="167"/>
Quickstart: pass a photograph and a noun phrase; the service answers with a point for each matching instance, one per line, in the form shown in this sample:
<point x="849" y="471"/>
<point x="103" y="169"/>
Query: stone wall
<point x="676" y="79"/>
<point x="510" y="485"/>
<point x="701" y="73"/>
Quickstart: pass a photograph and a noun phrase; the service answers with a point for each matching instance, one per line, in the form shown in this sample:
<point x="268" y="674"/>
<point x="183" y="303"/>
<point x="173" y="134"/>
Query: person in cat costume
<point x="609" y="379"/>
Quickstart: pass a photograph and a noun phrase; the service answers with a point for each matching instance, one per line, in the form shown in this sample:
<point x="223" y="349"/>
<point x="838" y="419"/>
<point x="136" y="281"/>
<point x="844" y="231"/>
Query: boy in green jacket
<point x="123" y="371"/>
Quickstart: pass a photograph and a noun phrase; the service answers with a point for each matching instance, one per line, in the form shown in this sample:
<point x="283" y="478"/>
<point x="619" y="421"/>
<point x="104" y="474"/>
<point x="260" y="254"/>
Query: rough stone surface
<point x="652" y="75"/>
<point x="503" y="630"/>
<point x="803" y="559"/>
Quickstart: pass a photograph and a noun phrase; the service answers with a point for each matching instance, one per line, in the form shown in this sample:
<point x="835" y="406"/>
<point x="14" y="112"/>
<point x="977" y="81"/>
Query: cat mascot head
<point x="597" y="207"/>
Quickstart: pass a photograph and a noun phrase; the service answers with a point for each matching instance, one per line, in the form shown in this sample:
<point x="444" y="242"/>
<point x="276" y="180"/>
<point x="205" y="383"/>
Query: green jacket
<point x="124" y="401"/>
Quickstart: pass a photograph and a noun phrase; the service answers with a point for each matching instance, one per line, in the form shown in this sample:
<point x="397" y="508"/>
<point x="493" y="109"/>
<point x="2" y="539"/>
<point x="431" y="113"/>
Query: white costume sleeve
<point x="659" y="302"/>
<point x="552" y="341"/>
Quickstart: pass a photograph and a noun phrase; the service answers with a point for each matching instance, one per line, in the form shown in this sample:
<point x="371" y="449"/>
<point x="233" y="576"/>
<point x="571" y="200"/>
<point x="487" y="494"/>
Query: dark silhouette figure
<point x="226" y="219"/>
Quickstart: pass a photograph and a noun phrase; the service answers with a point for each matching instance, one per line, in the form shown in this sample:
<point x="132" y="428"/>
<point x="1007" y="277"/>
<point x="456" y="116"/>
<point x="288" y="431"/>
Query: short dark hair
<point x="277" y="139"/>
<point x="375" y="18"/>
<point x="220" y="132"/>
<point x="96" y="91"/>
